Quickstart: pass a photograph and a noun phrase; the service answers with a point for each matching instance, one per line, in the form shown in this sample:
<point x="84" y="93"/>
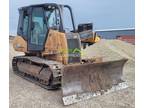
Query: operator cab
<point x="36" y="20"/>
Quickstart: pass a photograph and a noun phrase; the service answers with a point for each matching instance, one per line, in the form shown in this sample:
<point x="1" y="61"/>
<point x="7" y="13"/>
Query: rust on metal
<point x="91" y="77"/>
<point x="46" y="73"/>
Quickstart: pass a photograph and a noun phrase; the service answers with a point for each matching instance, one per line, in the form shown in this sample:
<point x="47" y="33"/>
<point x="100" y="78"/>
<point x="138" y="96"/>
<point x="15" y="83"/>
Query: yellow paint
<point x="92" y="39"/>
<point x="19" y="44"/>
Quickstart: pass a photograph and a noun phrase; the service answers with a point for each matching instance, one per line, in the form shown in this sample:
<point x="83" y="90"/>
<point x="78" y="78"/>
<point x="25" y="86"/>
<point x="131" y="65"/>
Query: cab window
<point x="39" y="29"/>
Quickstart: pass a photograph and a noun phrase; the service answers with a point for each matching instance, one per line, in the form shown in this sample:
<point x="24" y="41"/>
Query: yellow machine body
<point x="54" y="48"/>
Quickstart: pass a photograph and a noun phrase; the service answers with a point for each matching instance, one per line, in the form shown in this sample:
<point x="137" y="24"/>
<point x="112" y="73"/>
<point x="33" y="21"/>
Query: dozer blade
<point x="83" y="81"/>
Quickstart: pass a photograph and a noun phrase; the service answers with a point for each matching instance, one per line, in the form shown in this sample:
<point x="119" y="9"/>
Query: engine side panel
<point x="56" y="47"/>
<point x="74" y="47"/>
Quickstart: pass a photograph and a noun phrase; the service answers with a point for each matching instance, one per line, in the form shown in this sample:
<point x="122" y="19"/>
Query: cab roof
<point x="41" y="5"/>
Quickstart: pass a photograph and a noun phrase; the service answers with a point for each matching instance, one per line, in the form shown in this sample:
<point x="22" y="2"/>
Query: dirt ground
<point x="24" y="94"/>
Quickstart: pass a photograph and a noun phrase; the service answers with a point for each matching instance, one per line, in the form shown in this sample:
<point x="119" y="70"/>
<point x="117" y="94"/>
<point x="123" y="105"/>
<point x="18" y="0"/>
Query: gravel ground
<point x="24" y="94"/>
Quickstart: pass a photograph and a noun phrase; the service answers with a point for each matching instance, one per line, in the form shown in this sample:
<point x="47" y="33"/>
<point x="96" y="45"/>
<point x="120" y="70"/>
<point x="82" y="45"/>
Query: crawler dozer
<point x="52" y="54"/>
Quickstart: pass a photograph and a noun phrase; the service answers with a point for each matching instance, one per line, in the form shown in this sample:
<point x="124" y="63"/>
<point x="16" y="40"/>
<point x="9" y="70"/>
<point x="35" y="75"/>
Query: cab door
<point x="37" y="30"/>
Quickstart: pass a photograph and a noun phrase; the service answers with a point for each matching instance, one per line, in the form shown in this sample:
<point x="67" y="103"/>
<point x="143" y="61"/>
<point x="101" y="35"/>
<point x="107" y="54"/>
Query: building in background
<point x="127" y="34"/>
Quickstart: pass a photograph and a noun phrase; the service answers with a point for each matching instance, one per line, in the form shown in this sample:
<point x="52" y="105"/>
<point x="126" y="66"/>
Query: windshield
<point x="52" y="18"/>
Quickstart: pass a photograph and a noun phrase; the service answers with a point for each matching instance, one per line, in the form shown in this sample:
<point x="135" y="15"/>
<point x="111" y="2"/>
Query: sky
<point x="104" y="14"/>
